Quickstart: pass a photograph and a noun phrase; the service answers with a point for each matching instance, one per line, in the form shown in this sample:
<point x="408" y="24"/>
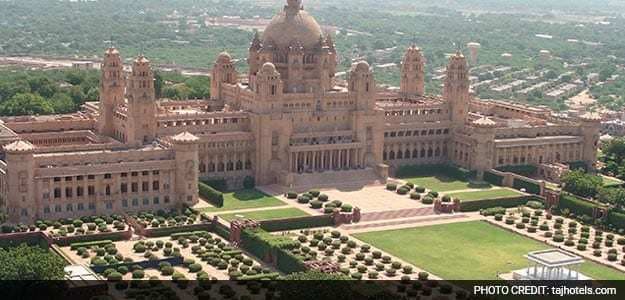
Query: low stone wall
<point x="511" y="180"/>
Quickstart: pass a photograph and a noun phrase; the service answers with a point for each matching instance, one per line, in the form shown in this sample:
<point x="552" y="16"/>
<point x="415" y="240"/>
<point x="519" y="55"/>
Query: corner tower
<point x="456" y="90"/>
<point x="362" y="86"/>
<point x="141" y="125"/>
<point x="112" y="86"/>
<point x="412" y="72"/>
<point x="223" y="72"/>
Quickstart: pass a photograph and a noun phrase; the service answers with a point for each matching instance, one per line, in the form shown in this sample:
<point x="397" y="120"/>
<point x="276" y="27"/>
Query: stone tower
<point x="185" y="146"/>
<point x="456" y="90"/>
<point x="223" y="72"/>
<point x="20" y="182"/>
<point x="141" y="125"/>
<point x="413" y="73"/>
<point x="484" y="134"/>
<point x="590" y="127"/>
<point x="362" y="86"/>
<point x="112" y="87"/>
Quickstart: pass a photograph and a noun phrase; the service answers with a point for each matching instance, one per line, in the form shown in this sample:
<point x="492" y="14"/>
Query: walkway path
<point x="397" y="214"/>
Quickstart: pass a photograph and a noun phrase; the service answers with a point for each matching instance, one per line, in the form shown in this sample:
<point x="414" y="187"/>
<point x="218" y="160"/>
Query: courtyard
<point x="467" y="250"/>
<point x="442" y="183"/>
<point x="495" y="193"/>
<point x="244" y="199"/>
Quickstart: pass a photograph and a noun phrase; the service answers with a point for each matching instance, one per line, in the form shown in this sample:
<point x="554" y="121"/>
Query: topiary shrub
<point x="138" y="274"/>
<point x="346" y="208"/>
<point x="427" y="200"/>
<point x="419" y="189"/>
<point x="303" y="199"/>
<point x="415" y="196"/>
<point x="423" y="276"/>
<point x="316" y="204"/>
<point x="391" y="186"/>
<point x="372" y="274"/>
<point x="114" y="276"/>
<point x="403" y="190"/>
<point x="581" y="247"/>
<point x="291" y="195"/>
<point x="194" y="268"/>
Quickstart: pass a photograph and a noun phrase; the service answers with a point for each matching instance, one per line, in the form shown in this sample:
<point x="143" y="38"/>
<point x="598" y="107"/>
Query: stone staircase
<point x="331" y="179"/>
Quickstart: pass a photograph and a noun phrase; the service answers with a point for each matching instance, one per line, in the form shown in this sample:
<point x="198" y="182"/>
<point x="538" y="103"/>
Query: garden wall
<point x="211" y="195"/>
<point x="516" y="181"/>
<point x="166" y="231"/>
<point x="33" y="238"/>
<point x="272" y="249"/>
<point x="444" y="169"/>
<point x="576" y="205"/>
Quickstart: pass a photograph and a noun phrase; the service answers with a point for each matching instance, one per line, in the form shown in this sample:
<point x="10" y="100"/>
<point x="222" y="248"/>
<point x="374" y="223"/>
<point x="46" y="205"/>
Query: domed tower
<point x="223" y="72"/>
<point x="412" y="72"/>
<point x="268" y="83"/>
<point x="141" y="124"/>
<point x="112" y="87"/>
<point x="362" y="86"/>
<point x="297" y="47"/>
<point x="456" y="90"/>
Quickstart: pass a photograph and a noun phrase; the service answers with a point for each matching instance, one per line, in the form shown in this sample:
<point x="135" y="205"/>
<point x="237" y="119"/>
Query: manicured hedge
<point x="102" y="243"/>
<point x="576" y="205"/>
<point x="264" y="276"/>
<point x="297" y="223"/>
<point x="212" y="195"/>
<point x="617" y="219"/>
<point x="502" y="202"/>
<point x="493" y="178"/>
<point x="529" y="187"/>
<point x="221" y="230"/>
<point x="523" y="170"/>
<point x="218" y="184"/>
<point x="265" y="245"/>
<point x="577" y="165"/>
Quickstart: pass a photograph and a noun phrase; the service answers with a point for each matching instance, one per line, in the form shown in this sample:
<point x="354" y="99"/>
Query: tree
<point x="614" y="196"/>
<point x="30" y="263"/>
<point x="26" y="104"/>
<point x="579" y="183"/>
<point x="62" y="103"/>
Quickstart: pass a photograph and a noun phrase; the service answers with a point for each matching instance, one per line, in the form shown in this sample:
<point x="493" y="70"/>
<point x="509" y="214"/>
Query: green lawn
<point x="245" y="199"/>
<point x="471" y="250"/>
<point x="263" y="215"/>
<point x="609" y="181"/>
<point x="442" y="183"/>
<point x="487" y="194"/>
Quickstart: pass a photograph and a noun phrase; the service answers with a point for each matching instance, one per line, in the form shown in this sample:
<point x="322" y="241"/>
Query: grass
<point x="442" y="183"/>
<point x="245" y="199"/>
<point x="609" y="181"/>
<point x="487" y="194"/>
<point x="263" y="215"/>
<point x="470" y="250"/>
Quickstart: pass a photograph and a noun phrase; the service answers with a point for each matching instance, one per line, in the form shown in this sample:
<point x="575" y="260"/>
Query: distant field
<point x="245" y="199"/>
<point x="471" y="250"/>
<point x="263" y="215"/>
<point x="488" y="194"/>
<point x="442" y="183"/>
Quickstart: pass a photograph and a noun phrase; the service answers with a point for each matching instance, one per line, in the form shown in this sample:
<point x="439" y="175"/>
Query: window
<point x="68" y="192"/>
<point x="124" y="188"/>
<point x="46" y="195"/>
<point x="155" y="185"/>
<point x="146" y="201"/>
<point x="124" y="174"/>
<point x="145" y="186"/>
<point x="57" y="192"/>
<point x="79" y="178"/>
<point x="90" y="177"/>
<point x="155" y="172"/>
<point x="125" y="203"/>
<point x="166" y="199"/>
<point x="57" y="208"/>
<point x="107" y="190"/>
<point x="134" y="174"/>
<point x="57" y="179"/>
<point x="24" y="212"/>
<point x="134" y="187"/>
<point x="69" y="207"/>
<point x="92" y="206"/>
<point x="145" y="173"/>
<point x="80" y="206"/>
<point x="109" y="205"/>
<point x="156" y="200"/>
<point x="135" y="202"/>
<point x="46" y="210"/>
<point x="68" y="178"/>
<point x="91" y="190"/>
<point x="80" y="191"/>
<point x="107" y="176"/>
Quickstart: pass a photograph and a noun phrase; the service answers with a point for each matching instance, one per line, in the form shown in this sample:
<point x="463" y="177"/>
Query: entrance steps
<point x="331" y="179"/>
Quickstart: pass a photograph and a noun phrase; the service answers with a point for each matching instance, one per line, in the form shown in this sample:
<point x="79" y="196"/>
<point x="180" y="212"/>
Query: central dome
<point x="292" y="25"/>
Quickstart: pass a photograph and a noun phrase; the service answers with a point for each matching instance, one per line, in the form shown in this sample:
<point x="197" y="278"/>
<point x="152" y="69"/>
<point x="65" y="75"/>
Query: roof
<point x="185" y="137"/>
<point x="554" y="258"/>
<point x="293" y="25"/>
<point x="19" y="146"/>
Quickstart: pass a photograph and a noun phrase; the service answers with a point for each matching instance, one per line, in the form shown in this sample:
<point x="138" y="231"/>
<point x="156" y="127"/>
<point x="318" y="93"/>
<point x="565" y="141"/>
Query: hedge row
<point x="265" y="245"/>
<point x="113" y="236"/>
<point x="175" y="236"/>
<point x="424" y="170"/>
<point x="576" y="205"/>
<point x="577" y="165"/>
<point x="297" y="223"/>
<point x="264" y="276"/>
<point x="102" y="243"/>
<point x="218" y="184"/>
<point x="617" y="219"/>
<point x="221" y="230"/>
<point x="502" y="202"/>
<point x="493" y="178"/>
<point x="210" y="194"/>
<point x="530" y="187"/>
<point x="167" y="231"/>
<point x="523" y="170"/>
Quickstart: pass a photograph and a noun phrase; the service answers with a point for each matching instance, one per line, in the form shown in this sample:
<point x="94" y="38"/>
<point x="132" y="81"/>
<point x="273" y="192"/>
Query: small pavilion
<point x="552" y="264"/>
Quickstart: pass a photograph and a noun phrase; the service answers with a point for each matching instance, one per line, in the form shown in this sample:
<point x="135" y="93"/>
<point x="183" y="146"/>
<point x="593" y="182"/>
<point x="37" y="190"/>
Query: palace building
<point x="287" y="122"/>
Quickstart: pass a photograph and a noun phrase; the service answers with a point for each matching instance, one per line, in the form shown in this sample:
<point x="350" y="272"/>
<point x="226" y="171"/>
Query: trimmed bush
<point x="391" y="186"/>
<point x="415" y="196"/>
<point x="210" y="194"/>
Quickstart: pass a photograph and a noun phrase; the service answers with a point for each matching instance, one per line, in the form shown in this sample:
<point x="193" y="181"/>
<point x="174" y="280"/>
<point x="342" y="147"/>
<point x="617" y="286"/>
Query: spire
<point x="294" y="5"/>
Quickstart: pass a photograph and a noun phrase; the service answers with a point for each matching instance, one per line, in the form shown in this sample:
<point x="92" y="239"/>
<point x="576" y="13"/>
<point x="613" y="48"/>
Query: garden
<point x="594" y="244"/>
<point x="170" y="218"/>
<point x="467" y="250"/>
<point x="264" y="215"/>
<point x="87" y="225"/>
